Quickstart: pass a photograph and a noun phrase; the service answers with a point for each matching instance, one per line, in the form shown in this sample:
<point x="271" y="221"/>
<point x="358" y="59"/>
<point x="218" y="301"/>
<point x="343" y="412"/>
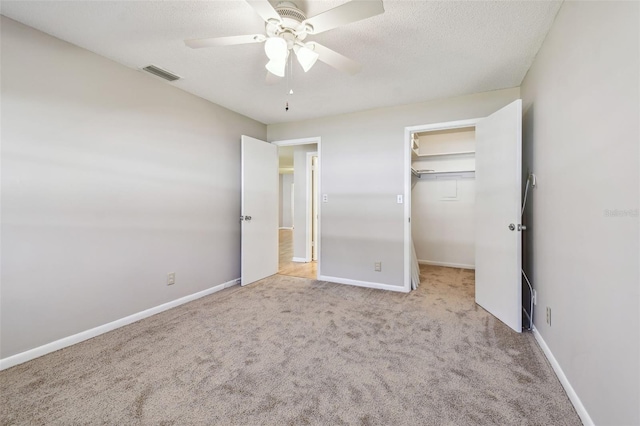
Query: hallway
<point x="286" y="266"/>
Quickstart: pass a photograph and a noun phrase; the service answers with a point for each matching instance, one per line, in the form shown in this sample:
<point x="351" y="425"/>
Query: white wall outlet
<point x="535" y="297"/>
<point x="549" y="316"/>
<point x="378" y="266"/>
<point x="171" y="278"/>
<point x="399" y="199"/>
<point x="325" y="198"/>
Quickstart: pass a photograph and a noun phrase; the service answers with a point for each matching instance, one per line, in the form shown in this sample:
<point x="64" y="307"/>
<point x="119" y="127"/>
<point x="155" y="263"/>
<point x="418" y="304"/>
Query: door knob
<point x="512" y="227"/>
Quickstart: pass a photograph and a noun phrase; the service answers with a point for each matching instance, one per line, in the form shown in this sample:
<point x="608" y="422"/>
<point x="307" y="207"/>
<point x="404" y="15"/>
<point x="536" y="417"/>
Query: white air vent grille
<point x="161" y="73"/>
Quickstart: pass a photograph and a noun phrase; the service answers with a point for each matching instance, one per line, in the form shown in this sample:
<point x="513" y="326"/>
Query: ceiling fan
<point x="287" y="27"/>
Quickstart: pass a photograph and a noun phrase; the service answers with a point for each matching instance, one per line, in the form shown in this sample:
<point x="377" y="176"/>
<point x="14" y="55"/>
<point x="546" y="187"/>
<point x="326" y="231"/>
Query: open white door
<point x="259" y="211"/>
<point x="498" y="201"/>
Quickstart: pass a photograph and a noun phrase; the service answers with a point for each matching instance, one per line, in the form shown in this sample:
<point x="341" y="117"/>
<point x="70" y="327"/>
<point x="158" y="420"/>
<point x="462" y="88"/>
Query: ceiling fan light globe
<point x="277" y="67"/>
<point x="276" y="48"/>
<point x="306" y="57"/>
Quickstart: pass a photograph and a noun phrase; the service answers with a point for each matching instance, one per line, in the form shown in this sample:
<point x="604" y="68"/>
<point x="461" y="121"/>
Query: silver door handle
<point x="512" y="227"/>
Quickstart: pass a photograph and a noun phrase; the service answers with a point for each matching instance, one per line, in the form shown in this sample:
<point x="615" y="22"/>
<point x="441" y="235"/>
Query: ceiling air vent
<point x="161" y="73"/>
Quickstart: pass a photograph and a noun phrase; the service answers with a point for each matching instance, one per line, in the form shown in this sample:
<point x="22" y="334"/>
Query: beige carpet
<point x="295" y="351"/>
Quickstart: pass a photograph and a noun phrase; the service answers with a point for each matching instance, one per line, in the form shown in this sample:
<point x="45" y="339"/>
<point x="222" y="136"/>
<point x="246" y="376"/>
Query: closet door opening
<point x="443" y="197"/>
<point x="463" y="209"/>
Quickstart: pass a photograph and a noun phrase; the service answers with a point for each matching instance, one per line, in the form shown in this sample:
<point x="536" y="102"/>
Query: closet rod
<point x="420" y="173"/>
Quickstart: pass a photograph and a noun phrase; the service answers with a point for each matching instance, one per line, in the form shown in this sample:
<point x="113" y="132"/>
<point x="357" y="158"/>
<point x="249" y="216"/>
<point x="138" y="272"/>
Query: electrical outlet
<point x="171" y="278"/>
<point x="549" y="316"/>
<point x="535" y="297"/>
<point x="325" y="198"/>
<point x="378" y="266"/>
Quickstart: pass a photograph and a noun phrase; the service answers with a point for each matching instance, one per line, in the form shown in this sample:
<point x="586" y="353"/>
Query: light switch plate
<point x="399" y="199"/>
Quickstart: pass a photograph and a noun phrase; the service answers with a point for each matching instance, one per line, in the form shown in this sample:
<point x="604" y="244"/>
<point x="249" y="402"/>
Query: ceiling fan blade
<point x="334" y="59"/>
<point x="197" y="43"/>
<point x="353" y="11"/>
<point x="265" y="10"/>
<point x="272" y="79"/>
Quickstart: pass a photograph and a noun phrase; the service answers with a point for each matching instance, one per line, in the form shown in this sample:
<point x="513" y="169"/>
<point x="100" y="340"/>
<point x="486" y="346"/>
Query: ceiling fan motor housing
<point x="290" y="28"/>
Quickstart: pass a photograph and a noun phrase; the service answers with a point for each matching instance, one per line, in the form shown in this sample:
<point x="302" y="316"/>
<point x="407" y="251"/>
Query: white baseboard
<point x="299" y="259"/>
<point x="447" y="264"/>
<point x="366" y="284"/>
<point x="571" y="393"/>
<point x="88" y="334"/>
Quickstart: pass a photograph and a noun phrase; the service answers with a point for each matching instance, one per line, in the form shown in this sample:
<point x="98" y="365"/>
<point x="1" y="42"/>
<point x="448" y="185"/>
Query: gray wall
<point x="581" y="139"/>
<point x="300" y="206"/>
<point x="286" y="219"/>
<point x="362" y="172"/>
<point x="110" y="180"/>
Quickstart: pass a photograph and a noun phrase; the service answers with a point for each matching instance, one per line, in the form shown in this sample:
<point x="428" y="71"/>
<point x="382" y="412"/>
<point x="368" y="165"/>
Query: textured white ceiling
<point x="416" y="51"/>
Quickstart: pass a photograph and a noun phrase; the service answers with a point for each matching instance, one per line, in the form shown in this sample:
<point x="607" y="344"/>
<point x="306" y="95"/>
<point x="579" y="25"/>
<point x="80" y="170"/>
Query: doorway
<point x="299" y="188"/>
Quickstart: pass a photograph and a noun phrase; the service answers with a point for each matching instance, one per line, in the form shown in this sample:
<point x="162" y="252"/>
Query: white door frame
<point x="309" y="141"/>
<point x="407" y="183"/>
<point x="309" y="202"/>
<point x="315" y="196"/>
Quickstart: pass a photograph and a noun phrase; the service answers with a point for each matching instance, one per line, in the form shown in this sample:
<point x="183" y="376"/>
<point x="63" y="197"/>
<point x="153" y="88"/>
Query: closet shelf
<point x="420" y="173"/>
<point x="439" y="154"/>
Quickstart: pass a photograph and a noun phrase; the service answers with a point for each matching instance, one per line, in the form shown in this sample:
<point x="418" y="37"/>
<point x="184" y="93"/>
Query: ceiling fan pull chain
<point x="290" y="75"/>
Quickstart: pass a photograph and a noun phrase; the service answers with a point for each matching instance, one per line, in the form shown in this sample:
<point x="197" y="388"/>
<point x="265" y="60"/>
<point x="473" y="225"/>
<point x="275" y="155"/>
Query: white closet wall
<point x="444" y="229"/>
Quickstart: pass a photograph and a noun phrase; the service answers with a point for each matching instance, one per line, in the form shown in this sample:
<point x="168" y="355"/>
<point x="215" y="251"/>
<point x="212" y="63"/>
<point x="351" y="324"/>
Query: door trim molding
<point x="301" y="141"/>
<point x="308" y="222"/>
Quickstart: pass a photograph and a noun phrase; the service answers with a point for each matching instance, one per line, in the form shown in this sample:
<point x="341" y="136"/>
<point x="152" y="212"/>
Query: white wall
<point x="443" y="229"/>
<point x="110" y="180"/>
<point x="286" y="219"/>
<point x="362" y="172"/>
<point x="581" y="133"/>
<point x="301" y="206"/>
